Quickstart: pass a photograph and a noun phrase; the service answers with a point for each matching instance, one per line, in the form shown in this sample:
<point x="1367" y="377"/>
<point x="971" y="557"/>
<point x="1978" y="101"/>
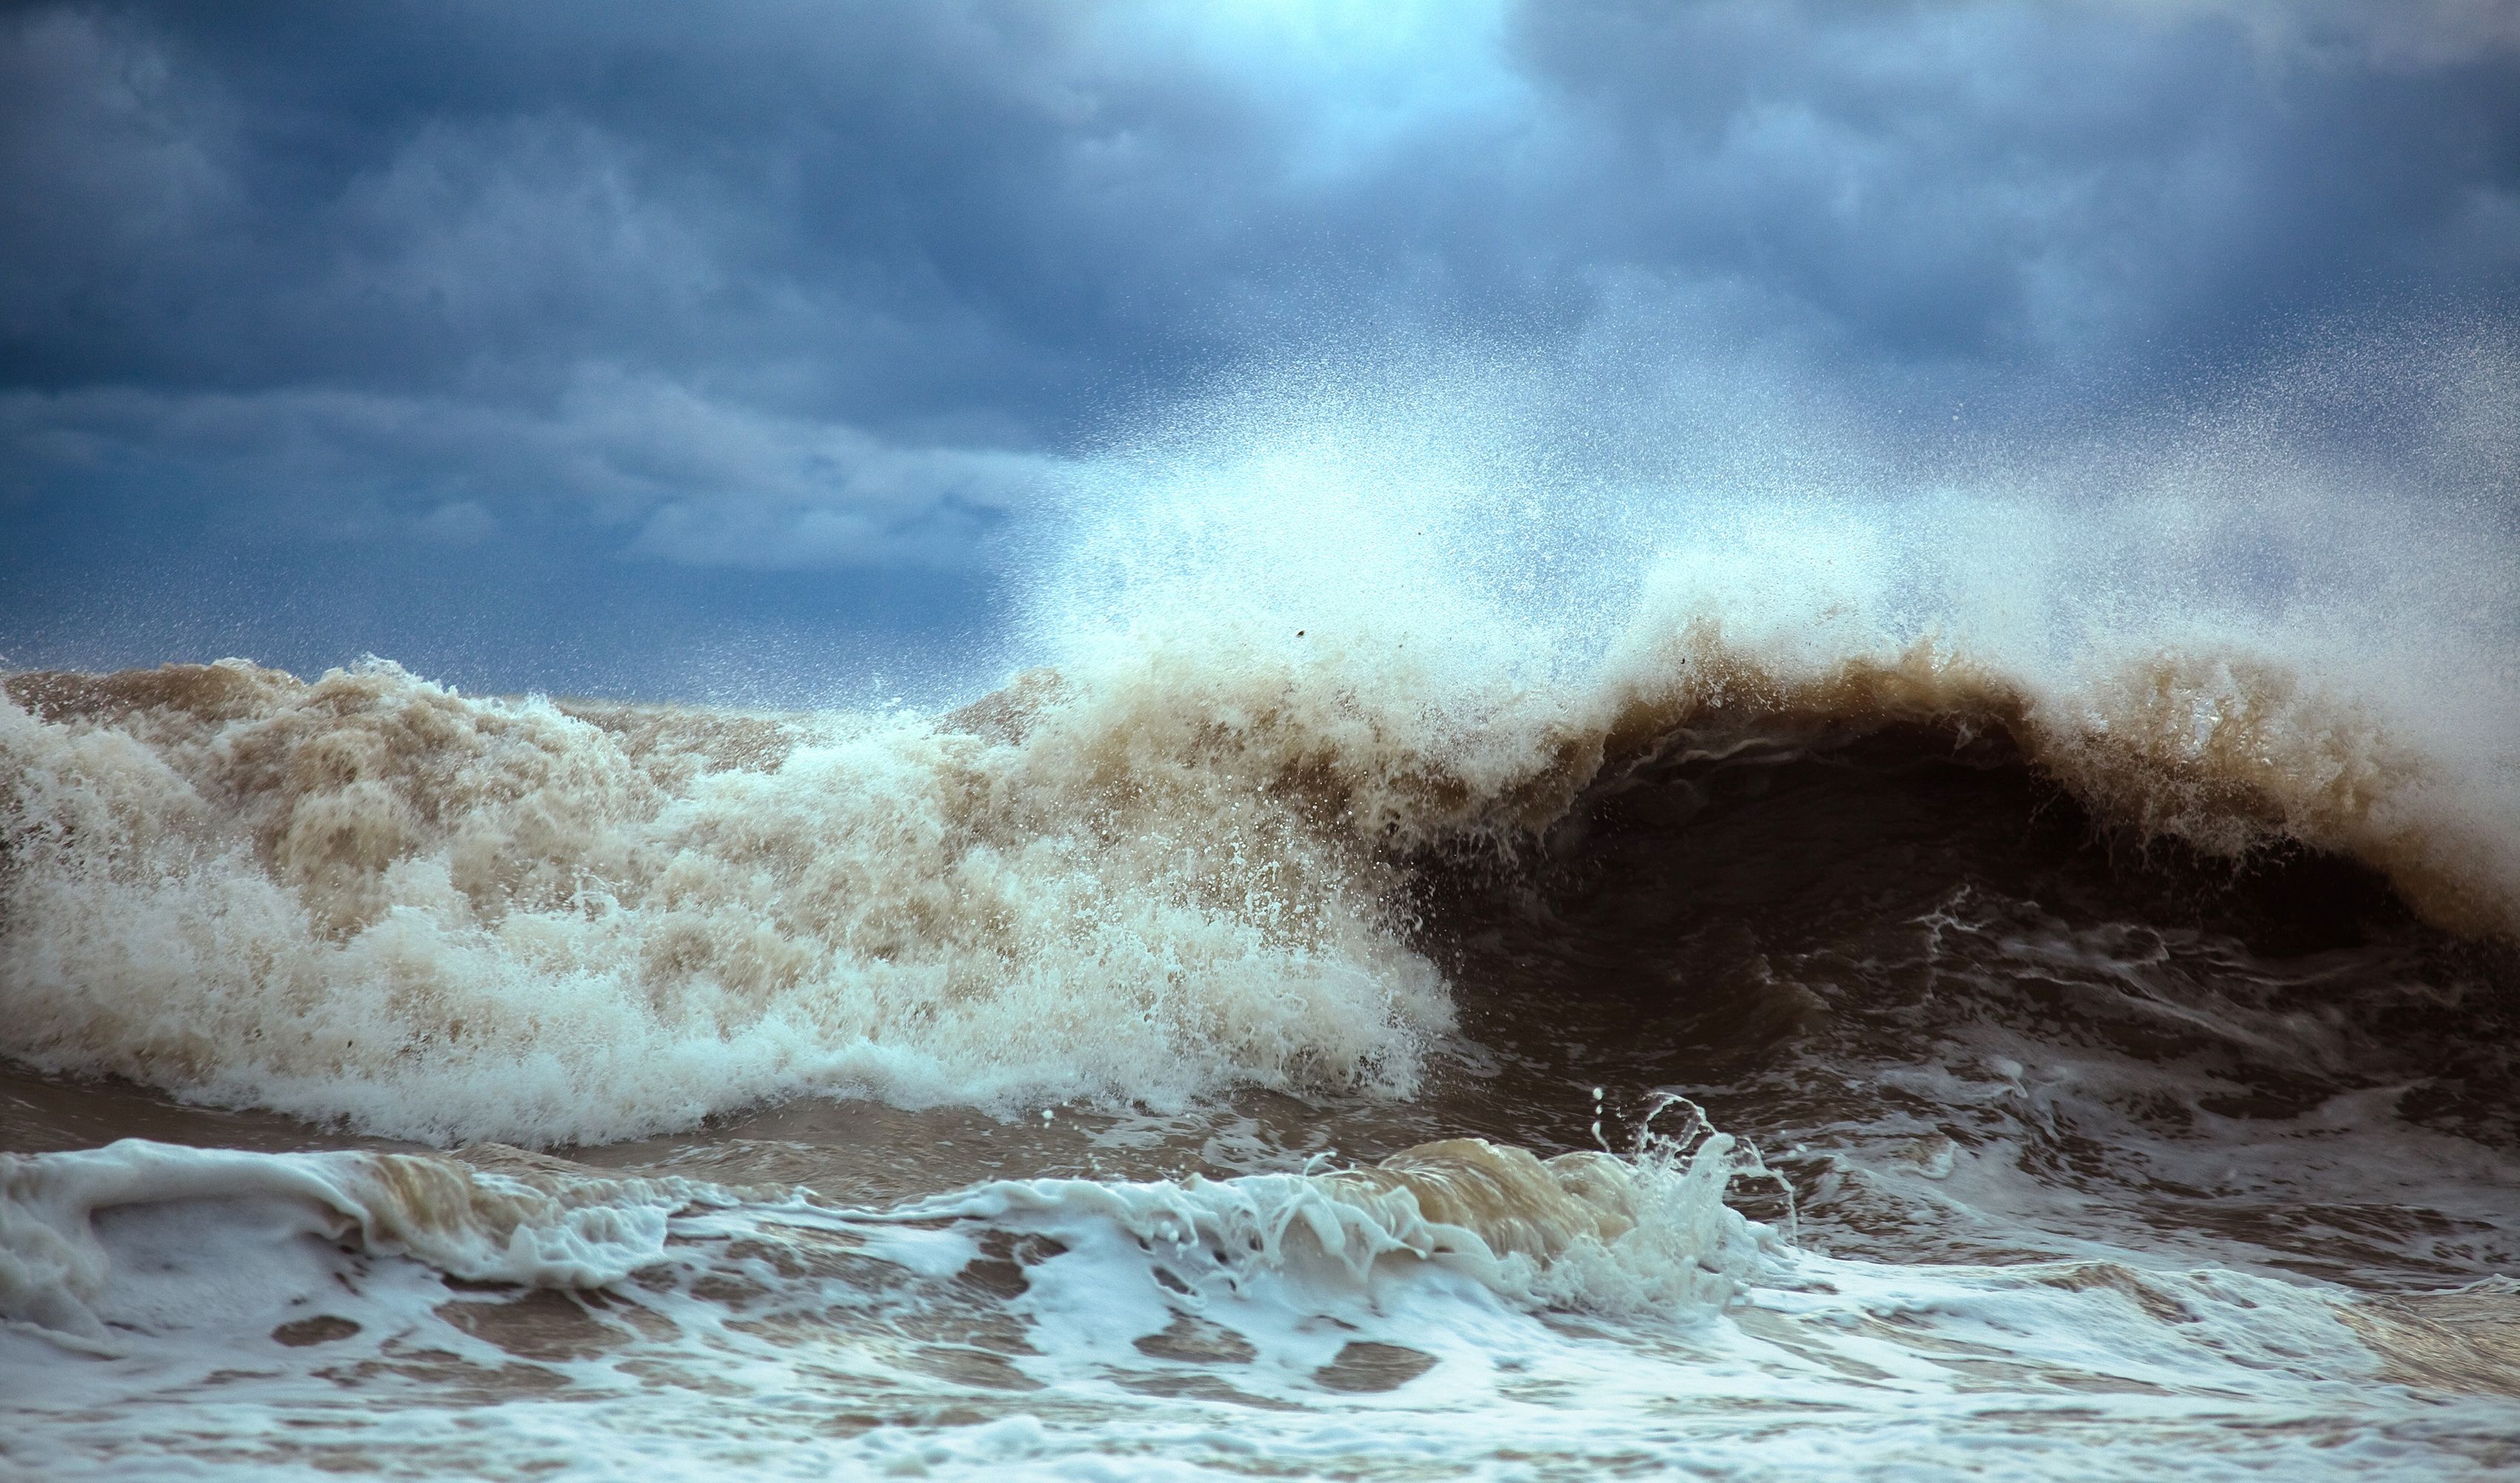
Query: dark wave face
<point x="1964" y="1016"/>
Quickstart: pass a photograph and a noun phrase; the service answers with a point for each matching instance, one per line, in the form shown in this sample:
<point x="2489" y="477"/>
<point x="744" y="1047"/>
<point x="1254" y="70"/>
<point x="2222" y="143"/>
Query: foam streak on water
<point x="1462" y="1308"/>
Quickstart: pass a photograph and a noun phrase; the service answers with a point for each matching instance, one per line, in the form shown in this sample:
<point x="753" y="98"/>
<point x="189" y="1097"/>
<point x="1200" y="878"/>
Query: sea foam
<point x="1284" y="657"/>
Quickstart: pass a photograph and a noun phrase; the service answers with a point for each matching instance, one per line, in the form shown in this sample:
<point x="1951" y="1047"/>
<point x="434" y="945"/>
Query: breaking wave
<point x="1580" y="1230"/>
<point x="1297" y="659"/>
<point x="1450" y="1301"/>
<point x="2096" y="880"/>
<point x="369" y="898"/>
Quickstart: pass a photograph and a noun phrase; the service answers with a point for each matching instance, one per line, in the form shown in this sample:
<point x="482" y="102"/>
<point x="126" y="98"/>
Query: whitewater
<point x="1454" y="943"/>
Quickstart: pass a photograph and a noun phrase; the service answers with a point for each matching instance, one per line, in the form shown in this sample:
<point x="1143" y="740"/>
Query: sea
<point x="1400" y="974"/>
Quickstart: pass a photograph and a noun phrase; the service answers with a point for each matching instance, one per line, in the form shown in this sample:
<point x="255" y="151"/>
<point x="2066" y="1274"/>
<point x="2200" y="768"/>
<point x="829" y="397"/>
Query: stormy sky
<point x="721" y="351"/>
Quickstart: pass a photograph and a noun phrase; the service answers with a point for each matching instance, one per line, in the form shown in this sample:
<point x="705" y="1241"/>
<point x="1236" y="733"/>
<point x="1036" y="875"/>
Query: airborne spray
<point x="2086" y="866"/>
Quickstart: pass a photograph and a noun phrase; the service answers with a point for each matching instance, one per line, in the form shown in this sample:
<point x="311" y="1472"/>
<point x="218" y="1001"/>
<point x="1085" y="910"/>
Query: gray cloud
<point x="769" y="284"/>
<point x="672" y="473"/>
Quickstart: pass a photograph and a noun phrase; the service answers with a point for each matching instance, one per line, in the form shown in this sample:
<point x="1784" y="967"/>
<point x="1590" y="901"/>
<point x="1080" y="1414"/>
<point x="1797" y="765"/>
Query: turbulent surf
<point x="1368" y="993"/>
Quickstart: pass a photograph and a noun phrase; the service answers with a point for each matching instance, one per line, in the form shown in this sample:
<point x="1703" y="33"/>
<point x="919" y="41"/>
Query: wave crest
<point x="517" y="1224"/>
<point x="370" y="898"/>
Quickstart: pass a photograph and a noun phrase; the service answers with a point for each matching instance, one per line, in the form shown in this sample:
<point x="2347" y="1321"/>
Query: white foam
<point x="372" y="899"/>
<point x="148" y="1236"/>
<point x="1391" y="1318"/>
<point x="1294" y="634"/>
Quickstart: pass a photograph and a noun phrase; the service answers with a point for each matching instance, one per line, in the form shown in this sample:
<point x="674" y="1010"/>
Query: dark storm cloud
<point x="792" y="285"/>
<point x="2054" y="181"/>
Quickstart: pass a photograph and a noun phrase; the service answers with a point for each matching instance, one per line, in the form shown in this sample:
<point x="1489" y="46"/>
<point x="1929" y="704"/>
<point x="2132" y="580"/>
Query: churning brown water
<point x="1187" y="1066"/>
<point x="1456" y="952"/>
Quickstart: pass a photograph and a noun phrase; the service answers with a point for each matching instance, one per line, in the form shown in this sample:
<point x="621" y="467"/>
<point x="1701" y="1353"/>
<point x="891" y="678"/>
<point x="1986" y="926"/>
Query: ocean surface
<point x="1884" y="993"/>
